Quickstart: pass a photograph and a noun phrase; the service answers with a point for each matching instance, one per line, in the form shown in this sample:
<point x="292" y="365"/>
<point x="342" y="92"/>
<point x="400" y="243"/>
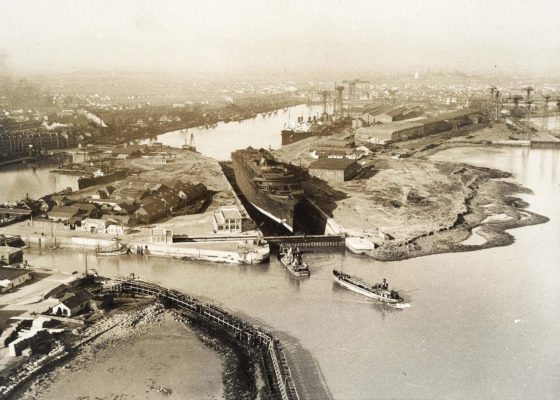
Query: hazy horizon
<point x="245" y="37"/>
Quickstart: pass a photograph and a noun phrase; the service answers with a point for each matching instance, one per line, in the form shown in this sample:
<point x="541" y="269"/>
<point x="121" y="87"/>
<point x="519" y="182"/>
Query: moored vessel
<point x="270" y="186"/>
<point x="294" y="132"/>
<point x="116" y="250"/>
<point x="379" y="291"/>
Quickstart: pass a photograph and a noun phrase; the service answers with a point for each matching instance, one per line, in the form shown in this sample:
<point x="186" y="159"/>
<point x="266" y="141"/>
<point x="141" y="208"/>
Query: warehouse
<point x="334" y="170"/>
<point x="406" y="130"/>
<point x="10" y="255"/>
<point x="388" y="133"/>
<point x="12" y="277"/>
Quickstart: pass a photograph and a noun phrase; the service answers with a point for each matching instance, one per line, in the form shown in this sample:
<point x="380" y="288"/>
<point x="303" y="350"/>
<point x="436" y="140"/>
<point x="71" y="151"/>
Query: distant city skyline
<point x="241" y="37"/>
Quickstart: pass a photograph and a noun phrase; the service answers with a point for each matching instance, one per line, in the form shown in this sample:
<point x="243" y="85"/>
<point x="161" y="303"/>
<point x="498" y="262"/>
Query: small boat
<point x="379" y="291"/>
<point x="54" y="246"/>
<point x="291" y="258"/>
<point x="117" y="250"/>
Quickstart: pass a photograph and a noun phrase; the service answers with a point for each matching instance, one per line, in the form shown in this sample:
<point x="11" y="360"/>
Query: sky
<point x="227" y="36"/>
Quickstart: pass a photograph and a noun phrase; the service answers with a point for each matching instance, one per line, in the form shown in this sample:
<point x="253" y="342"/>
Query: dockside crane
<point x="352" y="87"/>
<point x="326" y="94"/>
<point x="529" y="89"/>
<point x="393" y="91"/>
<point x="545" y="111"/>
<point x="339" y="89"/>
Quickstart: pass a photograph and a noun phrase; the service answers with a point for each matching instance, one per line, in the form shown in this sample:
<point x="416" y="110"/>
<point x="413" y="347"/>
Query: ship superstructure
<point x="270" y="186"/>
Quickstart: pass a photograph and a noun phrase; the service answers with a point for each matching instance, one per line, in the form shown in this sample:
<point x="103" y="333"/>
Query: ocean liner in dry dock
<point x="267" y="184"/>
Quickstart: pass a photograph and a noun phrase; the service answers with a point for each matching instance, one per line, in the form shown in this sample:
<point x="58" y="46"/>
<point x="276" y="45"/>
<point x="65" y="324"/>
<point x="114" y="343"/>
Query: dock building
<point x="333" y="169"/>
<point x="15" y="144"/>
<point x="13" y="277"/>
<point x="411" y="129"/>
<point x="228" y="219"/>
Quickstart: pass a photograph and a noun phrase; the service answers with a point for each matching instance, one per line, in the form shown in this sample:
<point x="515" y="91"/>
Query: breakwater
<point x="246" y="334"/>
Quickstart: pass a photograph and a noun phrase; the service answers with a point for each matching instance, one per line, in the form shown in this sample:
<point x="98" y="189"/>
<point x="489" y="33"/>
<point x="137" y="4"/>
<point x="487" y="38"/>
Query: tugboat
<point x="291" y="258"/>
<point x="379" y="291"/>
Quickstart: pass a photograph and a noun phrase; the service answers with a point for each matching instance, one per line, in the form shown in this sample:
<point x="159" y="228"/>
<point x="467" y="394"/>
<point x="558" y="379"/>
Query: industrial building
<point x="334" y="170"/>
<point x="10" y="255"/>
<point x="12" y="277"/>
<point x="387" y="113"/>
<point x="406" y="130"/>
<point x="27" y="143"/>
<point x="228" y="219"/>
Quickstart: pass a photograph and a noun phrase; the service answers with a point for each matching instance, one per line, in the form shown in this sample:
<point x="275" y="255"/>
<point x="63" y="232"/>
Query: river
<point x="219" y="141"/>
<point x="34" y="179"/>
<point x="481" y="324"/>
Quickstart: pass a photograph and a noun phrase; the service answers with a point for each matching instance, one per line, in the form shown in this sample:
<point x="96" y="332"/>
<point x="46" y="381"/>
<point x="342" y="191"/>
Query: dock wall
<point x="246" y="334"/>
<point x="194" y="251"/>
<point x="545" y="145"/>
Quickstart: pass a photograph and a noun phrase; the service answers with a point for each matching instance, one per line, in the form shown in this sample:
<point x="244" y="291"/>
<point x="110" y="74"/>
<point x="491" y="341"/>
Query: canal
<point x="481" y="324"/>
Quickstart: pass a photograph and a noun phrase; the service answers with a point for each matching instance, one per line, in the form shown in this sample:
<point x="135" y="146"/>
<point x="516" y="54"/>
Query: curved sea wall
<point x="247" y="335"/>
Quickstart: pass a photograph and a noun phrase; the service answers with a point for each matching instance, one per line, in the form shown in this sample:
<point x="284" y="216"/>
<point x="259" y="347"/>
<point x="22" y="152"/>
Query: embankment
<point x="256" y="341"/>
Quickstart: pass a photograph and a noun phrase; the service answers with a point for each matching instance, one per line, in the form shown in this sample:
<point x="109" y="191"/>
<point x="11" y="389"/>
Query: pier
<point x="545" y="145"/>
<point x="246" y="334"/>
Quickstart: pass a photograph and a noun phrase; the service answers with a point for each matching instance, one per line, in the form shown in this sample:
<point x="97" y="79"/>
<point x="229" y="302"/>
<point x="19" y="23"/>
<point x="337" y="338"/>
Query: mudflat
<point x="157" y="358"/>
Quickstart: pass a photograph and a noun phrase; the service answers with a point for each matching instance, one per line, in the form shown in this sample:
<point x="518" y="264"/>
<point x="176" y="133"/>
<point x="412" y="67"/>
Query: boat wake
<point x="400" y="305"/>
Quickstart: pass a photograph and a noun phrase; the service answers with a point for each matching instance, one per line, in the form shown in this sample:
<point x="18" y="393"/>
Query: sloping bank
<point x="489" y="196"/>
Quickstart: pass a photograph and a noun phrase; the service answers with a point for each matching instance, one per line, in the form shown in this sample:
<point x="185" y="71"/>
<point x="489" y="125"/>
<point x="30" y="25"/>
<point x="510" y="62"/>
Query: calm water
<point x="34" y="179"/>
<point x="481" y="325"/>
<point x="219" y="142"/>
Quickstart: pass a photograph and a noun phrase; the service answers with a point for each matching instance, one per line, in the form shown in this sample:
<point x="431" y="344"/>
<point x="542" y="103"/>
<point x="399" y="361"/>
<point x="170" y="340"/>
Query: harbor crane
<point x="529" y="89"/>
<point x="326" y="94"/>
<point x="339" y="108"/>
<point x="352" y="87"/>
<point x="545" y="111"/>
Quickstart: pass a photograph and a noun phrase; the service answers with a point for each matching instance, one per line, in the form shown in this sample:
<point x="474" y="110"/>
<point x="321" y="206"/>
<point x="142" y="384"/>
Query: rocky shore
<point x="157" y="355"/>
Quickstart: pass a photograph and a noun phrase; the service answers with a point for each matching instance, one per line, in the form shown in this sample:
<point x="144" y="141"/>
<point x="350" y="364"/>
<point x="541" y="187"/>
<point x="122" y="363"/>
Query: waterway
<point x="219" y="141"/>
<point x="18" y="180"/>
<point x="481" y="325"/>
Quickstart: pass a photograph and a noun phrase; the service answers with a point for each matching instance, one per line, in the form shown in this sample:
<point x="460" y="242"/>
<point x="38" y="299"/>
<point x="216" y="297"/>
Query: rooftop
<point x="230" y="212"/>
<point x="331" y="163"/>
<point x="12" y="273"/>
<point x="78" y="298"/>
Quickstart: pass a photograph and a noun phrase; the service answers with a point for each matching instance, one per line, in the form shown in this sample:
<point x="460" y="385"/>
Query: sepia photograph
<point x="279" y="199"/>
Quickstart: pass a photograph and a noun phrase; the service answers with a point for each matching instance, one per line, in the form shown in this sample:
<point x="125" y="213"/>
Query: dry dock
<point x="157" y="238"/>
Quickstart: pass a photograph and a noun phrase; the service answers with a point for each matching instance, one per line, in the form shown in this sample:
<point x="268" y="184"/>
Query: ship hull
<point x="91" y="181"/>
<point x="289" y="136"/>
<point x="364" y="292"/>
<point x="280" y="211"/>
<point x="293" y="271"/>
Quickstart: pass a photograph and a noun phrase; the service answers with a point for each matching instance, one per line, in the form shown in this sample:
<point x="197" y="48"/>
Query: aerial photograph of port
<point x="279" y="200"/>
